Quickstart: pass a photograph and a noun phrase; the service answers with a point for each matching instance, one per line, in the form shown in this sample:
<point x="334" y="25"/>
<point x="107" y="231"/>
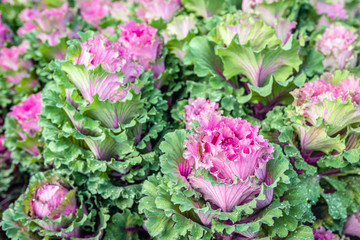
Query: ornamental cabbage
<point x="231" y="151"/>
<point x="94" y="10"/>
<point x="52" y="207"/>
<point x="97" y="113"/>
<point x="333" y="11"/>
<point x="337" y="45"/>
<point x="50" y="23"/>
<point x="141" y="42"/>
<point x="321" y="126"/>
<point x="15" y="67"/>
<point x="27" y="113"/>
<point x="23" y="132"/>
<point x="323" y="112"/>
<point x="216" y="181"/>
<point x="157" y="9"/>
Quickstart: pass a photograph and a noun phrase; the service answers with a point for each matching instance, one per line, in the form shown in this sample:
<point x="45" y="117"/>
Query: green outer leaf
<point x="204" y="8"/>
<point x="201" y="53"/>
<point x="258" y="66"/>
<point x="302" y="233"/>
<point x="120" y="223"/>
<point x="173" y="150"/>
<point x="316" y="139"/>
<point x="111" y="114"/>
<point x="163" y="218"/>
<point x="338" y="203"/>
<point x="337" y="115"/>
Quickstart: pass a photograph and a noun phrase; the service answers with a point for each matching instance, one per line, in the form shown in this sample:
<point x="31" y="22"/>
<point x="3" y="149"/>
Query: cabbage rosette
<point x="339" y="46"/>
<point x="52" y="207"/>
<point x="321" y="126"/>
<point x="47" y="27"/>
<point x="100" y="118"/>
<point x="218" y="181"/>
<point x="23" y="135"/>
<point x="245" y="57"/>
<point x="17" y="75"/>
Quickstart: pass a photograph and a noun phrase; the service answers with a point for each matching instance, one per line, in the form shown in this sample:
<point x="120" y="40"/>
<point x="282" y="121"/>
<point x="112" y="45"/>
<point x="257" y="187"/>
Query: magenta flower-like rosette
<point x="218" y="179"/>
<point x="52" y="207"/>
<point x="23" y="133"/>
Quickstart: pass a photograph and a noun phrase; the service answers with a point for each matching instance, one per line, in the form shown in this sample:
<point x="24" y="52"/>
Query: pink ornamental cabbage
<point x="332" y="10"/>
<point x="316" y="91"/>
<point x="10" y="60"/>
<point x="321" y="89"/>
<point x="27" y="16"/>
<point x="322" y="100"/>
<point x="198" y="110"/>
<point x="92" y="11"/>
<point x="337" y="45"/>
<point x="231" y="151"/>
<point x="352" y="225"/>
<point x="27" y="113"/>
<point x="156" y="9"/>
<point x="141" y="42"/>
<point x="5" y="33"/>
<point x="50" y="23"/>
<point x="101" y="51"/>
<point x="47" y="201"/>
<point x="351" y="85"/>
<point x="49" y="197"/>
<point x="322" y="234"/>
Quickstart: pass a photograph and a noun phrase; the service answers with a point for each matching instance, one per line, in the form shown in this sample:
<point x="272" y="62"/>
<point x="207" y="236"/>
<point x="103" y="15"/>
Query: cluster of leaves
<point x="119" y="159"/>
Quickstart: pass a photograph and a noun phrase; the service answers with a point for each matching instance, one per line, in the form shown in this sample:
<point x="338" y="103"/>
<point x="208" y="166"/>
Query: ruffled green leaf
<point x="164" y="220"/>
<point x="201" y="53"/>
<point x="111" y="114"/>
<point x="317" y="139"/>
<point x="258" y="66"/>
<point x="302" y="233"/>
<point x="338" y="203"/>
<point x="128" y="225"/>
<point x="337" y="115"/>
